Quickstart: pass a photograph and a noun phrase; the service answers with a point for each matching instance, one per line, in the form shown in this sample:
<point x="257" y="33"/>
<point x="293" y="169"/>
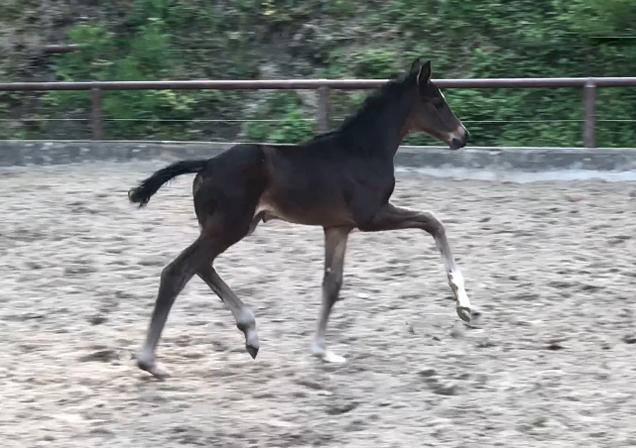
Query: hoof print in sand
<point x="106" y="355"/>
<point x="629" y="339"/>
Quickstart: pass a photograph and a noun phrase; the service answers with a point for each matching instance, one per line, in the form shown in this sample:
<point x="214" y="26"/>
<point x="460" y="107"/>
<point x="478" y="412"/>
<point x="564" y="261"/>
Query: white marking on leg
<point x="146" y="361"/>
<point x="330" y="356"/>
<point x="318" y="349"/>
<point x="146" y="356"/>
<point x="318" y="346"/>
<point x="456" y="281"/>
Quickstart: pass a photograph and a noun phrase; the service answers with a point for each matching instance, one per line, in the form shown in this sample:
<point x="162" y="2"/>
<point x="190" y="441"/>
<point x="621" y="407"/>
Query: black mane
<point x="388" y="93"/>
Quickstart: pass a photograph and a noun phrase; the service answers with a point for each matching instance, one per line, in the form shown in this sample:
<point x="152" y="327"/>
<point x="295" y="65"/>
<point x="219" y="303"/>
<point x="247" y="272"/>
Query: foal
<point x="340" y="181"/>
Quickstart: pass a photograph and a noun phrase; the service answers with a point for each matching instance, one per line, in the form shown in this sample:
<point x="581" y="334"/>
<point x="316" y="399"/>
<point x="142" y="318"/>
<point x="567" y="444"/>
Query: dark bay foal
<point x="340" y="181"/>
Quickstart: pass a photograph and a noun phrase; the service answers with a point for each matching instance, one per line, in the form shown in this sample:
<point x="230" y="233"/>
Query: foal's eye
<point x="438" y="103"/>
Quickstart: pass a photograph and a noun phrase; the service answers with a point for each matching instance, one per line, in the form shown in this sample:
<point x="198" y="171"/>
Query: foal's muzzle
<point x="458" y="138"/>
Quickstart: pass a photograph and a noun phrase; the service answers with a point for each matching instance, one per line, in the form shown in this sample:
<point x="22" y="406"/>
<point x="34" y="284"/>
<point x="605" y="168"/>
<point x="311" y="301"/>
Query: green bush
<point x="248" y="39"/>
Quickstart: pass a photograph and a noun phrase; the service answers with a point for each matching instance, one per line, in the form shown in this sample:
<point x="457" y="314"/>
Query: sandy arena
<point x="551" y="362"/>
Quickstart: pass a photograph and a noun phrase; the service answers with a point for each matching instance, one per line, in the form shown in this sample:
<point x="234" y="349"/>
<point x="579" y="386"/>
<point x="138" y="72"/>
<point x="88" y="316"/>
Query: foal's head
<point x="431" y="113"/>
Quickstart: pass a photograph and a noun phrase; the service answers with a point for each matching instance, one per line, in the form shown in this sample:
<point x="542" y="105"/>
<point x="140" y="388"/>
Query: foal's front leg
<point x="335" y="248"/>
<point x="391" y="217"/>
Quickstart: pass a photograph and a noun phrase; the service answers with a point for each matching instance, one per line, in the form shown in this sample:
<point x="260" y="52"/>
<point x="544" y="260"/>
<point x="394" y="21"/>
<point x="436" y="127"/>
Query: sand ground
<point x="552" y="266"/>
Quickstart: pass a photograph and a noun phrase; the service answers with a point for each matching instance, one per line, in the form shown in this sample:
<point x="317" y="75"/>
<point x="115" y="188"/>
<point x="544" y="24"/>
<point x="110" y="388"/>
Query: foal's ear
<point x="425" y="74"/>
<point x="415" y="65"/>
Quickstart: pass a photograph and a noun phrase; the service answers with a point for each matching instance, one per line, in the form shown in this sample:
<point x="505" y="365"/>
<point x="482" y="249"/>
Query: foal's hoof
<point x="155" y="369"/>
<point x="319" y="350"/>
<point x="251" y="343"/>
<point x="331" y="357"/>
<point x="253" y="351"/>
<point x="464" y="313"/>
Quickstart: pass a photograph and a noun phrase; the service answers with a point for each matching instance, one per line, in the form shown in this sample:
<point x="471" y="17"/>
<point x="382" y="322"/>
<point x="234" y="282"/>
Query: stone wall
<point x="21" y="153"/>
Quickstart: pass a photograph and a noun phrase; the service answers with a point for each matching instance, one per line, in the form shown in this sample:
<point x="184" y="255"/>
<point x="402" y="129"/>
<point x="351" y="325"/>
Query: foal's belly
<point x="312" y="210"/>
<point x="309" y="188"/>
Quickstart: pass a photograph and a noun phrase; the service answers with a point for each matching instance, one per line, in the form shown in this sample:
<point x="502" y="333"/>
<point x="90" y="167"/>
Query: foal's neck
<point x="380" y="129"/>
<point x="396" y="117"/>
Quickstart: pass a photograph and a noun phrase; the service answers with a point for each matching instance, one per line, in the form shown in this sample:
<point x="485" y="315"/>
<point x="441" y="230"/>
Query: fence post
<point x="589" y="132"/>
<point x="96" y="116"/>
<point x="323" y="109"/>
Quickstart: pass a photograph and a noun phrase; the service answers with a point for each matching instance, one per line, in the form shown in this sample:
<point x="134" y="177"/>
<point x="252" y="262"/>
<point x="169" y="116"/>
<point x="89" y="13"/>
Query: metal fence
<point x="323" y="87"/>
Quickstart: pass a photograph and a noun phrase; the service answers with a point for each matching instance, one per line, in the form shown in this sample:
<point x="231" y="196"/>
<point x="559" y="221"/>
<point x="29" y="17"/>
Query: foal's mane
<point x="388" y="93"/>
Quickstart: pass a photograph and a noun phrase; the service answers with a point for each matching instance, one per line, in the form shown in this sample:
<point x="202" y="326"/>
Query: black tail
<point x="150" y="186"/>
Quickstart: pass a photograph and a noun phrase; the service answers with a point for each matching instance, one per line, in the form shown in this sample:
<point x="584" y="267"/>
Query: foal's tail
<point x="150" y="186"/>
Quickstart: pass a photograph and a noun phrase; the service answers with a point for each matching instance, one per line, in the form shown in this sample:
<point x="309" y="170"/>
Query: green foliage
<point x="294" y="127"/>
<point x="248" y="39"/>
<point x="376" y="63"/>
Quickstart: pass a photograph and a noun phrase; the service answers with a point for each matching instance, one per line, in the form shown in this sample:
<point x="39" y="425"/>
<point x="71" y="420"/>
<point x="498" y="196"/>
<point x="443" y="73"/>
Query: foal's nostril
<point x="457" y="143"/>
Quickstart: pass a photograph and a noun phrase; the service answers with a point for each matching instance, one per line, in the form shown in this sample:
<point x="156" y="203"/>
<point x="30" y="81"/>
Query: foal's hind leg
<point x="391" y="217"/>
<point x="335" y="248"/>
<point x="245" y="320"/>
<point x="173" y="279"/>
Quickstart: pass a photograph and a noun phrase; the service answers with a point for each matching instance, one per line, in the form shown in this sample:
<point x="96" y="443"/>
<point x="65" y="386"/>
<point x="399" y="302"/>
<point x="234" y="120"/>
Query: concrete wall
<point x="21" y="153"/>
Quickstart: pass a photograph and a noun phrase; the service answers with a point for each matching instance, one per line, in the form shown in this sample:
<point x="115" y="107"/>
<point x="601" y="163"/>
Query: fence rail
<point x="323" y="87"/>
